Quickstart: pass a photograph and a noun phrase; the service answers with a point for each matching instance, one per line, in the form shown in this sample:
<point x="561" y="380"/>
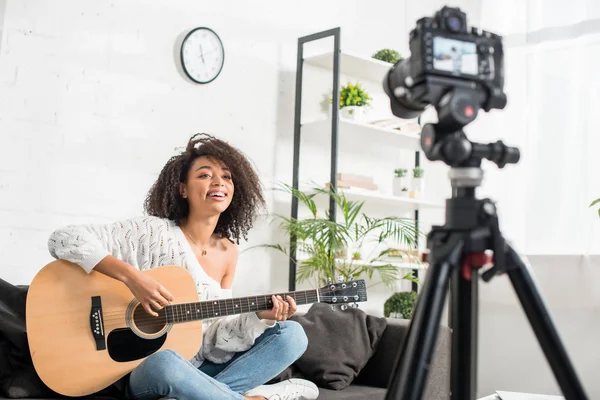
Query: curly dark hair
<point x="165" y="201"/>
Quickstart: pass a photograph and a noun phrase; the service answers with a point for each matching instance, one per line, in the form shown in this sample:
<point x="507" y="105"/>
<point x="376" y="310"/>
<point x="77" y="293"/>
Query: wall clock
<point x="202" y="55"/>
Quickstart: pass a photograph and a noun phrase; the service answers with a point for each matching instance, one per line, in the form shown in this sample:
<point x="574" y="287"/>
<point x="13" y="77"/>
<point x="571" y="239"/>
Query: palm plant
<point x="318" y="239"/>
<point x="594" y="203"/>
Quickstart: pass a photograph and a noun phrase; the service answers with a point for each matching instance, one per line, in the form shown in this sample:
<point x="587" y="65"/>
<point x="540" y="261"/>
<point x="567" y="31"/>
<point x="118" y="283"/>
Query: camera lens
<point x="454" y="24"/>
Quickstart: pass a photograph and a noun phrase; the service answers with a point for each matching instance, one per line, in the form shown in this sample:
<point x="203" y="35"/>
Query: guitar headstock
<point x="351" y="291"/>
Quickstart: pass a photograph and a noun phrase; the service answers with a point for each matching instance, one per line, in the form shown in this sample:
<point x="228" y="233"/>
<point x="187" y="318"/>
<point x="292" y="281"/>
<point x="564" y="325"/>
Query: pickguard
<point x="124" y="345"/>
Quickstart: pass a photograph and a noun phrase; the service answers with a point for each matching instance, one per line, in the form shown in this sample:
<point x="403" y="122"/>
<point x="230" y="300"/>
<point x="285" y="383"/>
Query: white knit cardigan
<point x="150" y="242"/>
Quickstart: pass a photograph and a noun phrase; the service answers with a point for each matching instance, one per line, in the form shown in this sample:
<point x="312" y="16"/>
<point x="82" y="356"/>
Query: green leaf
<point x="595" y="202"/>
<point x="412" y="278"/>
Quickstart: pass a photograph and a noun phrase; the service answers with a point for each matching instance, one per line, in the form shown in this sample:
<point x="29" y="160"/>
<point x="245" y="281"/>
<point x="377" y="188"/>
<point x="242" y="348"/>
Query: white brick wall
<point x="92" y="104"/>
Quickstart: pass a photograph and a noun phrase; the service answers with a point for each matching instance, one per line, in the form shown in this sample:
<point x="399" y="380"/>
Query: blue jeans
<point x="167" y="374"/>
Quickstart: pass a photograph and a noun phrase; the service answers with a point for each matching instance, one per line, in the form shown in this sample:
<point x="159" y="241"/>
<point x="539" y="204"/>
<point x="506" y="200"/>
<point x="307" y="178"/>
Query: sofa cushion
<point x="340" y="344"/>
<point x="353" y="392"/>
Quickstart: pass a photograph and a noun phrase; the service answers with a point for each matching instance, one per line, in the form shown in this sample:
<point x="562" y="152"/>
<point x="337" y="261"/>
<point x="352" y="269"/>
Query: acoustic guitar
<point x="86" y="331"/>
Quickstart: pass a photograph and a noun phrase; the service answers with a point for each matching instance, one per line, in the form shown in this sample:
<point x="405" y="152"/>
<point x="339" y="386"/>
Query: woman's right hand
<point x="151" y="294"/>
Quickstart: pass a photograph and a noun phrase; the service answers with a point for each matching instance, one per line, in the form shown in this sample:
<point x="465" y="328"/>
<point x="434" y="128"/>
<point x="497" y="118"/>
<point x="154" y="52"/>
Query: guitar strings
<point x="205" y="305"/>
<point x="260" y="300"/>
<point x="183" y="315"/>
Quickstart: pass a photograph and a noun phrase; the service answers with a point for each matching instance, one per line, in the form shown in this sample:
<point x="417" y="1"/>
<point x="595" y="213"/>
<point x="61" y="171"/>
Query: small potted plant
<point x="418" y="183"/>
<point x="388" y="55"/>
<point x="400" y="186"/>
<point x="400" y="305"/>
<point x="353" y="101"/>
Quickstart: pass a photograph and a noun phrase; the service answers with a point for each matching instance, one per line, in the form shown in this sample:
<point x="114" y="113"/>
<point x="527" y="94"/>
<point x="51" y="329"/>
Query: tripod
<point x="457" y="253"/>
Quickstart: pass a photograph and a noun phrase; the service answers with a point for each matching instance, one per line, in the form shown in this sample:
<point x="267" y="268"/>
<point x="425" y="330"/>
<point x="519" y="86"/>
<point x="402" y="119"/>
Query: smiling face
<point x="208" y="187"/>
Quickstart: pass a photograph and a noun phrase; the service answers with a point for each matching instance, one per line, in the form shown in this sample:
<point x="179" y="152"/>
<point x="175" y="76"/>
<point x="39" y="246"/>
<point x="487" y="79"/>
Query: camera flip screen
<point x="456" y="56"/>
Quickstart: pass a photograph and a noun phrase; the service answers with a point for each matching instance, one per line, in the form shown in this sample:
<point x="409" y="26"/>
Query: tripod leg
<point x="464" y="293"/>
<point x="543" y="327"/>
<point x="412" y="364"/>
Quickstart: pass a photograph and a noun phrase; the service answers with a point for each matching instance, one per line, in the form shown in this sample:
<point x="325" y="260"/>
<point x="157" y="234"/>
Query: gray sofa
<point x="374" y="377"/>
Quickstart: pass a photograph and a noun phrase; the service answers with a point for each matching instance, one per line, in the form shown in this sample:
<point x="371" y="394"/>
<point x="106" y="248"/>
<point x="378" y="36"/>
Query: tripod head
<point x="457" y="104"/>
<point x="447" y="142"/>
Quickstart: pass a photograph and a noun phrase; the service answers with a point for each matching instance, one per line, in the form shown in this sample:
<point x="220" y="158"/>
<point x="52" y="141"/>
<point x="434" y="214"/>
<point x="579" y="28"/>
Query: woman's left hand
<point x="281" y="310"/>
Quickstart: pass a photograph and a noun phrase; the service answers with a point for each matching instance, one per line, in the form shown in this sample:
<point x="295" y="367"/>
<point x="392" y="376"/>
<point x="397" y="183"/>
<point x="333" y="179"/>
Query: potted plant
<point x="388" y="55"/>
<point x="353" y="101"/>
<point x="400" y="186"/>
<point x="418" y="183"/>
<point x="400" y="305"/>
<point x="318" y="239"/>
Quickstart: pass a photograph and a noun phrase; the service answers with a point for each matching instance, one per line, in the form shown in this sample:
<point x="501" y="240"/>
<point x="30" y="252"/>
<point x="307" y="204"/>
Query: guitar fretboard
<point x="185" y="312"/>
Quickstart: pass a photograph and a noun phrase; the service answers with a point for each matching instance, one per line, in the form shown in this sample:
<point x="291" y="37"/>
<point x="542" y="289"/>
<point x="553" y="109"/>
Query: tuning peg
<point x="340" y="279"/>
<point x="354" y="305"/>
<point x="329" y="281"/>
<point x="332" y="307"/>
<point x="351" y="277"/>
<point x="344" y="307"/>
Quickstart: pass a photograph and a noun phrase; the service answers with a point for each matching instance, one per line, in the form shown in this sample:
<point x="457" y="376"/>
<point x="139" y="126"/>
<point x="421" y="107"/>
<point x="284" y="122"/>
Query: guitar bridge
<point x="97" y="324"/>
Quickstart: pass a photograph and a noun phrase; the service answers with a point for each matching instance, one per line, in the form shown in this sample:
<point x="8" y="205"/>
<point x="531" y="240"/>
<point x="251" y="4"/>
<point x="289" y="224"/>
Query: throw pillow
<point x="340" y="343"/>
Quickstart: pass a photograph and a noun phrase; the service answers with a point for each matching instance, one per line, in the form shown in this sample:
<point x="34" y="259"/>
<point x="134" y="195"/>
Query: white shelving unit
<point x="399" y="265"/>
<point x="377" y="199"/>
<point x="364" y="68"/>
<point x="364" y="148"/>
<point x="406" y="140"/>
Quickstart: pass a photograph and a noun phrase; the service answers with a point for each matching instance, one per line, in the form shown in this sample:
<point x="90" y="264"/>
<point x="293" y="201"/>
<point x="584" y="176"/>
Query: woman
<point x="204" y="201"/>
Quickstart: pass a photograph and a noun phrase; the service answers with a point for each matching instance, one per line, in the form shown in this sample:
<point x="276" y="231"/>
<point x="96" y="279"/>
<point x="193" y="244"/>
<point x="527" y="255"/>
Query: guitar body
<point x="86" y="331"/>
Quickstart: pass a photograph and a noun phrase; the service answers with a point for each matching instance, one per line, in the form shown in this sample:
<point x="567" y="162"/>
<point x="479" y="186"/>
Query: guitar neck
<point x="186" y="312"/>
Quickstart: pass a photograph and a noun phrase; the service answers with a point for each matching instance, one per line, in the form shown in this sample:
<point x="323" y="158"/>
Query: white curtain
<point x="552" y="80"/>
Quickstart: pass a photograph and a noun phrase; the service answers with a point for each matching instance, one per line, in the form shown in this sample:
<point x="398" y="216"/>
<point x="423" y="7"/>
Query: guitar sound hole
<point x="147" y="323"/>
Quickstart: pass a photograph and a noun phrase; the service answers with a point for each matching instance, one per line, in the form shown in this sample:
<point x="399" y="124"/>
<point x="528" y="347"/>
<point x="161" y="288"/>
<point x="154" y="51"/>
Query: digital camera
<point x="446" y="54"/>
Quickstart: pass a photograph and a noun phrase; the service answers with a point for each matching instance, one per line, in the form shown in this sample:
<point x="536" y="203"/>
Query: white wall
<point x="92" y="105"/>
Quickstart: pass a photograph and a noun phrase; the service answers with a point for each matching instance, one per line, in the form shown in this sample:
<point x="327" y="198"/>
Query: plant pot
<point x="417" y="188"/>
<point x="398" y="185"/>
<point x="341" y="253"/>
<point x="353" y="113"/>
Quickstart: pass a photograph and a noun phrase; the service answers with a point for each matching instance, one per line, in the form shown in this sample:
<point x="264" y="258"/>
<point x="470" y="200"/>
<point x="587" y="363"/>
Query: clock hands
<point x="201" y="53"/>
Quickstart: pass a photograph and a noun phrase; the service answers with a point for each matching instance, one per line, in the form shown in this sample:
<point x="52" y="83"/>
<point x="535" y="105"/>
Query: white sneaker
<point x="291" y="389"/>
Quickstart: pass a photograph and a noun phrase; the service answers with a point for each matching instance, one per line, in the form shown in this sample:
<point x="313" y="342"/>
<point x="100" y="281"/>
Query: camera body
<point x="442" y="45"/>
<point x="446" y="55"/>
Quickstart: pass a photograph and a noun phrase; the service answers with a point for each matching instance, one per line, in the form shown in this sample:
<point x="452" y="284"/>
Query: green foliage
<point x="401" y="302"/>
<point x="418" y="172"/>
<point x="318" y="239"/>
<point x="354" y="95"/>
<point x="400" y="172"/>
<point x="594" y="203"/>
<point x="388" y="55"/>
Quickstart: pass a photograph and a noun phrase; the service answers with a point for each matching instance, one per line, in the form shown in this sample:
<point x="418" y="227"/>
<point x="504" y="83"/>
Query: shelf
<point x="400" y="265"/>
<point x="408" y="140"/>
<point x="373" y="198"/>
<point x="365" y="68"/>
